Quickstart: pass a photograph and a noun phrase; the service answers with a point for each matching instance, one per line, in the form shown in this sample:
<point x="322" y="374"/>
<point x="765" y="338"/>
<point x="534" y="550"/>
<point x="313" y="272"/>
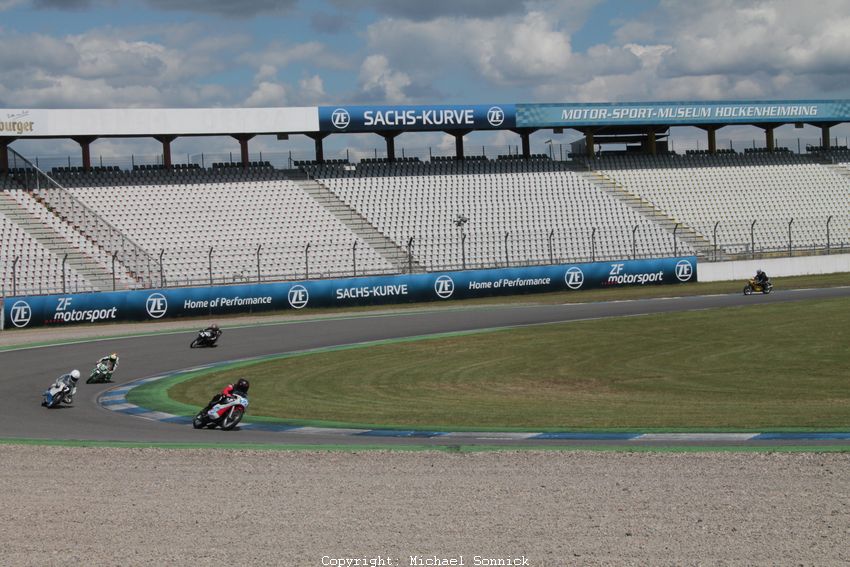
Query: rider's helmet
<point x="759" y="272"/>
<point x="214" y="326"/>
<point x="241" y="386"/>
<point x="113" y="357"/>
<point x="75" y="375"/>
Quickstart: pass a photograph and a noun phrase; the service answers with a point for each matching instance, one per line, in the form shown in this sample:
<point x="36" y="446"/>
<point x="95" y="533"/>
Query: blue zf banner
<point x="153" y="304"/>
<point x="416" y="118"/>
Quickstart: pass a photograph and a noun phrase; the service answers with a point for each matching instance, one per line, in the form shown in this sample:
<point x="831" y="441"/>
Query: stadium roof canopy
<point x="606" y="120"/>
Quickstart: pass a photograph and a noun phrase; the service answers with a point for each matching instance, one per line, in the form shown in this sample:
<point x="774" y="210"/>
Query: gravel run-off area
<point x="122" y="506"/>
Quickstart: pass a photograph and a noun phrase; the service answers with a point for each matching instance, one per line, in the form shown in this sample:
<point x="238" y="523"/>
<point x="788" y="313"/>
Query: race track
<point x="27" y="372"/>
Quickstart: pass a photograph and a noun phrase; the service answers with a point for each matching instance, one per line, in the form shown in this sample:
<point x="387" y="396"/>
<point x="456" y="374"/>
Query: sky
<point x="260" y="53"/>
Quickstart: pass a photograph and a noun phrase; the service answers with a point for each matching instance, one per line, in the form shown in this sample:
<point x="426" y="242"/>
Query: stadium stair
<point x="389" y="250"/>
<point x="95" y="275"/>
<point x="646" y="209"/>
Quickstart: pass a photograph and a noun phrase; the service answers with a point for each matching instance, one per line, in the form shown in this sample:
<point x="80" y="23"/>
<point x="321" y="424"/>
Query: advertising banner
<point x="416" y="118"/>
<point x="652" y="113"/>
<point x="153" y="304"/>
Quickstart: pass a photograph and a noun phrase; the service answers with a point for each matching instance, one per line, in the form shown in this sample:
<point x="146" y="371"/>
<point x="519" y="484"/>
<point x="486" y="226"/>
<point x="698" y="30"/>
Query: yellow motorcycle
<point x="754" y="287"/>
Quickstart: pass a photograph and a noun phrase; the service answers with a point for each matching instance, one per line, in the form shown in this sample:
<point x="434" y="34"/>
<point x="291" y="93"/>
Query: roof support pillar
<point x="651" y="147"/>
<point x="711" y="131"/>
<point x="589" y="144"/>
<point x="458" y="134"/>
<point x="4" y="154"/>
<point x="243" y="148"/>
<point x="85" y="145"/>
<point x="389" y="137"/>
<point x="166" y="149"/>
<point x="525" y="136"/>
<point x="318" y="138"/>
<point x="768" y="139"/>
<point x="824" y="136"/>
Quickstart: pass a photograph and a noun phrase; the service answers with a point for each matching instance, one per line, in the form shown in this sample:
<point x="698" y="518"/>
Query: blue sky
<point x="200" y="53"/>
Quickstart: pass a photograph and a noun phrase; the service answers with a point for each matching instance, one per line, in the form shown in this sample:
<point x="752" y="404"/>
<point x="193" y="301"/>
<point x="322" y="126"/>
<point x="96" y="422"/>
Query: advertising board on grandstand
<point x="159" y="304"/>
<point x="652" y="113"/>
<point x="416" y="118"/>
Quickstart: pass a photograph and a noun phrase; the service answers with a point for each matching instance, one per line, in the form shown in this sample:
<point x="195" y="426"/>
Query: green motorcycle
<point x="100" y="374"/>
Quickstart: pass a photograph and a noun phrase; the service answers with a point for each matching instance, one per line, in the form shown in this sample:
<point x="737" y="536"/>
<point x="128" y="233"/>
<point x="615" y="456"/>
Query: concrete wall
<point x="745" y="269"/>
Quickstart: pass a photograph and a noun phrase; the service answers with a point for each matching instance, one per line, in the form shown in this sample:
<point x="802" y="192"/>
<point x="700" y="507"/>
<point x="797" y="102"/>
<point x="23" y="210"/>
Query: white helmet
<point x="75" y="375"/>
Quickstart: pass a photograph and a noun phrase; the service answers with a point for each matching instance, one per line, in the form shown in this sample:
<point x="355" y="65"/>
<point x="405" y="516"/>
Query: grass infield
<point x="755" y="368"/>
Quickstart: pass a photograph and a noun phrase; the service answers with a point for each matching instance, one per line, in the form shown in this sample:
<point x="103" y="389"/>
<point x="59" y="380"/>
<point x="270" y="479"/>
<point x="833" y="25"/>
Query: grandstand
<point x="103" y="228"/>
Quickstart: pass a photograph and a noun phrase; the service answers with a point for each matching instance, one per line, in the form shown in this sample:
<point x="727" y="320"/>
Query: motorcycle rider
<point x="111" y="362"/>
<point x="213" y="331"/>
<point x="224" y="400"/>
<point x="69" y="380"/>
<point x="761" y="278"/>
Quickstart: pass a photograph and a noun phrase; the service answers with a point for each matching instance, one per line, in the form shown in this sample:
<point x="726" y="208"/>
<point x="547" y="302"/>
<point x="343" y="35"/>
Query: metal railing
<point x="253" y="262"/>
<point x="90" y="224"/>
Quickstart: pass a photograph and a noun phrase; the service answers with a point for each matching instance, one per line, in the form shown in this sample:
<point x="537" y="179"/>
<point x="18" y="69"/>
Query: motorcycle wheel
<point x="196" y="343"/>
<point x="232" y="418"/>
<point x="748" y="290"/>
<point x="199" y="421"/>
<point x="768" y="289"/>
<point x="54" y="403"/>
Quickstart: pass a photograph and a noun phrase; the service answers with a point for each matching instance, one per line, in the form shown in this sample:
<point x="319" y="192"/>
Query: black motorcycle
<point x="205" y="339"/>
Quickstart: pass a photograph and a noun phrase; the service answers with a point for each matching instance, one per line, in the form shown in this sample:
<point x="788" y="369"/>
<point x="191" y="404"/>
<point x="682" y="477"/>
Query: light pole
<point x="460" y="221"/>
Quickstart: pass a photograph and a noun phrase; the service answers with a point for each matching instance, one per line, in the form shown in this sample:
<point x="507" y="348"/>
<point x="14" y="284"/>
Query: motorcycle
<point x="99" y="374"/>
<point x="229" y="419"/>
<point x="755" y="287"/>
<point x="204" y="339"/>
<point x="56" y="394"/>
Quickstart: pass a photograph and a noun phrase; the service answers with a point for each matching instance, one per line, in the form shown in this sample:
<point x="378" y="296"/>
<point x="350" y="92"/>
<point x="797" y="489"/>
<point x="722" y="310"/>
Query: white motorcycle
<point x="56" y="394"/>
<point x="234" y="408"/>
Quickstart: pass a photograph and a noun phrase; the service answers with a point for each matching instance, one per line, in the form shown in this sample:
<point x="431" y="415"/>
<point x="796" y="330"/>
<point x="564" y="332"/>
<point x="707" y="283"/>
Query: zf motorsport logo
<point x="298" y="296"/>
<point x="156" y="305"/>
<point x="574" y="278"/>
<point x="684" y="270"/>
<point x="444" y="287"/>
<point x="495" y="116"/>
<point x="20" y="313"/>
<point x="340" y="118"/>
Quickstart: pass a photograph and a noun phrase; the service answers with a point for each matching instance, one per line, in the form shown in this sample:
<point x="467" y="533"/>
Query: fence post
<point x="675" y="241"/>
<point x="790" y="253"/>
<point x="507" y="255"/>
<point x="114" y="255"/>
<point x="354" y="258"/>
<point x="65" y="259"/>
<point x="551" y="253"/>
<point x="209" y="258"/>
<point x="753" y="240"/>
<point x="307" y="262"/>
<point x="593" y="245"/>
<point x="463" y="248"/>
<point x="410" y="255"/>
<point x="15" y="275"/>
<point x="634" y="242"/>
<point x="161" y="277"/>
<point x="715" y="239"/>
<point x="259" y="276"/>
<point x="828" y="220"/>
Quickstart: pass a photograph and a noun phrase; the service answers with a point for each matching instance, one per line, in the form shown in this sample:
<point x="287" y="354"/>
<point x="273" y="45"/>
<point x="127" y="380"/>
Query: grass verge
<point x="755" y="368"/>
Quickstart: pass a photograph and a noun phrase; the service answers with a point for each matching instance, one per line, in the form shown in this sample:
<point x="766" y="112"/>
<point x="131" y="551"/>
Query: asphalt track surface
<point x="27" y="372"/>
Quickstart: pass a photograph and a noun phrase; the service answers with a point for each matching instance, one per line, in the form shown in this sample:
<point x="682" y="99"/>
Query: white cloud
<point x="267" y="94"/>
<point x="380" y="82"/>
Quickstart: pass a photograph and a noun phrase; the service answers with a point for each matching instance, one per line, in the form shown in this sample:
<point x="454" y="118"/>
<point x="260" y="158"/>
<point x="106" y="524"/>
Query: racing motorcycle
<point x="236" y="405"/>
<point x="755" y="287"/>
<point x="204" y="339"/>
<point x="99" y="374"/>
<point x="56" y="394"/>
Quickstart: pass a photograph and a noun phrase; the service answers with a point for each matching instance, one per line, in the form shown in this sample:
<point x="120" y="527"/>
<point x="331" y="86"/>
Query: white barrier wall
<point x="801" y="266"/>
